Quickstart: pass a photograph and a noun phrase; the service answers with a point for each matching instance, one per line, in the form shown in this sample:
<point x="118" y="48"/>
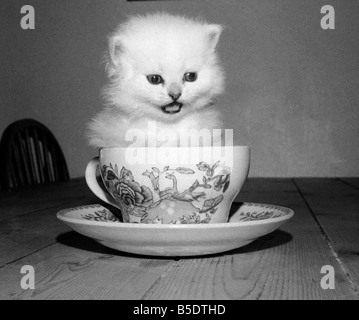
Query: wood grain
<point x="37" y="197"/>
<point x="283" y="265"/>
<point x="28" y="216"/>
<point x="336" y="206"/>
<point x="79" y="268"/>
<point x="353" y="182"/>
<point x="25" y="234"/>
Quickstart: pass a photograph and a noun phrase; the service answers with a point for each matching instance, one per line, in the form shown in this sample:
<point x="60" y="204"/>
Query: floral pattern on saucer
<point x="104" y="215"/>
<point x="267" y="212"/>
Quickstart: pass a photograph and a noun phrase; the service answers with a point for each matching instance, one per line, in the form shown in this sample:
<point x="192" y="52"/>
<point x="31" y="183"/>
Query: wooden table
<point x="285" y="264"/>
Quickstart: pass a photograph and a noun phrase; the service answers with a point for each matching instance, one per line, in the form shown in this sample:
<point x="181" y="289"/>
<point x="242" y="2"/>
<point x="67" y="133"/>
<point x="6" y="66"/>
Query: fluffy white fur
<point x="169" y="46"/>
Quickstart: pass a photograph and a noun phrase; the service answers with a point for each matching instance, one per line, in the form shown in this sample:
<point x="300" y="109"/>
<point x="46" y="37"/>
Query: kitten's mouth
<point x="172" y="108"/>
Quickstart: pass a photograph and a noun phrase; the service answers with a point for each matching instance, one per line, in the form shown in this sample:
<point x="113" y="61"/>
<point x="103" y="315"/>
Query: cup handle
<point x="91" y="180"/>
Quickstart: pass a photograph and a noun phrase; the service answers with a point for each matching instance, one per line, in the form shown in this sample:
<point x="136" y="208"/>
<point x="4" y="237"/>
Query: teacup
<point x="170" y="185"/>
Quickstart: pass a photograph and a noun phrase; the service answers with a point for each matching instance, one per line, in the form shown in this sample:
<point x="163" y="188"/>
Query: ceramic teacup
<point x="173" y="185"/>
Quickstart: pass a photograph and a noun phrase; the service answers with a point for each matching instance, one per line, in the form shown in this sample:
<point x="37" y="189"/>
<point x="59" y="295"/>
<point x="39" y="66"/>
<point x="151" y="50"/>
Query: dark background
<point x="292" y="88"/>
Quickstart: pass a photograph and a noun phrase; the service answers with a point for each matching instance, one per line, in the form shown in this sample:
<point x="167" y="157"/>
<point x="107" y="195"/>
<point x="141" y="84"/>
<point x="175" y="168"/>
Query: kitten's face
<point x="167" y="71"/>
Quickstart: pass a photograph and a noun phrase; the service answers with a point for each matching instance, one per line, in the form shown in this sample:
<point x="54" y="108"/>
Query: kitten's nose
<point x="174" y="91"/>
<point x="174" y="96"/>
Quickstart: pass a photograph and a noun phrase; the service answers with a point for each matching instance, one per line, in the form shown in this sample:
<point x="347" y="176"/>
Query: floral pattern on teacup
<point x="195" y="203"/>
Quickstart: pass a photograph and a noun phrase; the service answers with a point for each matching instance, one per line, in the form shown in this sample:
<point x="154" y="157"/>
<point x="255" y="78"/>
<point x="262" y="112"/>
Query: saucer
<point x="247" y="223"/>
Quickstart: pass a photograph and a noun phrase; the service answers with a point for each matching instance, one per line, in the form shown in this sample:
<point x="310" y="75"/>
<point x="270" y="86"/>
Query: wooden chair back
<point x="30" y="154"/>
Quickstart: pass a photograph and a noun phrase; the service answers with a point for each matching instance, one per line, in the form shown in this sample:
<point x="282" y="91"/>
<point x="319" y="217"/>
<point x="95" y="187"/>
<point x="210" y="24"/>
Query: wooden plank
<point x="32" y="198"/>
<point x="354" y="182"/>
<point x="79" y="268"/>
<point x="27" y="233"/>
<point x="255" y="188"/>
<point x="39" y="239"/>
<point x="283" y="265"/>
<point x="28" y="216"/>
<point x="336" y="206"/>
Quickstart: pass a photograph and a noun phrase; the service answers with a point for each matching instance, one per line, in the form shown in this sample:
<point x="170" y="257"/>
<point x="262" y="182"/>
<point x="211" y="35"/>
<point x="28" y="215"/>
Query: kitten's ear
<point x="214" y="31"/>
<point x="115" y="48"/>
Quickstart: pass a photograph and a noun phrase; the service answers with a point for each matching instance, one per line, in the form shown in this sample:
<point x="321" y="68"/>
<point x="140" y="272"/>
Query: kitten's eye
<point x="154" y="79"/>
<point x="190" y="76"/>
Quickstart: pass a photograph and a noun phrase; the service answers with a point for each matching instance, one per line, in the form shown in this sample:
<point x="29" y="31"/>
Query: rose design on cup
<point x="134" y="199"/>
<point x="132" y="194"/>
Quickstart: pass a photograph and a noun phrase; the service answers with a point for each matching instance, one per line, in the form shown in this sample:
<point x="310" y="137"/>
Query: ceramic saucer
<point x="248" y="222"/>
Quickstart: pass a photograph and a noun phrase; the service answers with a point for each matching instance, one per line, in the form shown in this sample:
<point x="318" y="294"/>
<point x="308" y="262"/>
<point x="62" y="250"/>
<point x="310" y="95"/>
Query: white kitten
<point x="161" y="68"/>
